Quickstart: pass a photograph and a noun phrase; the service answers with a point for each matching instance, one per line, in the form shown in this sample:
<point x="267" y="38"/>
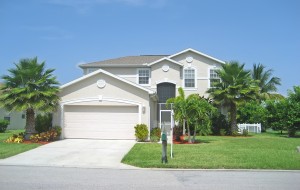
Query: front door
<point x="164" y="92"/>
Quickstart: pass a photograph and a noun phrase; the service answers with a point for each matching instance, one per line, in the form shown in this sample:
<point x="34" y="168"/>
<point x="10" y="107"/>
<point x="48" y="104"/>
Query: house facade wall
<point x="17" y="119"/>
<point x="202" y="66"/>
<point x="172" y="75"/>
<point x="118" y="92"/>
<point x="200" y="63"/>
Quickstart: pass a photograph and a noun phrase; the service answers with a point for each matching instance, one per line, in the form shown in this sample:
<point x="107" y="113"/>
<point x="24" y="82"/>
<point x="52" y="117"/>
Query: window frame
<point x="213" y="78"/>
<point x="138" y="76"/>
<point x="195" y="77"/>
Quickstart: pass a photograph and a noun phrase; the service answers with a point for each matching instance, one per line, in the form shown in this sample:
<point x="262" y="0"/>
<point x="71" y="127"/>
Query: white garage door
<point x="100" y="122"/>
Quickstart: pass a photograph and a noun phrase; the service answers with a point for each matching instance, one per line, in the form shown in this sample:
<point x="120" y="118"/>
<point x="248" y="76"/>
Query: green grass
<point x="11" y="149"/>
<point x="260" y="151"/>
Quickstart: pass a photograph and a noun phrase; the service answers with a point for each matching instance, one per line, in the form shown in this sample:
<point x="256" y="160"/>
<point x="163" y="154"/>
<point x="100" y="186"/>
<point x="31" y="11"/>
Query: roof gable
<point x="165" y="59"/>
<point x="197" y="52"/>
<point x="109" y="74"/>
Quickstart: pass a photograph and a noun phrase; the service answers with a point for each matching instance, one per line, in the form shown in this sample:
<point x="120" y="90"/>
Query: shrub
<point x="222" y="132"/>
<point x="57" y="129"/>
<point x="45" y="136"/>
<point x="43" y="122"/>
<point x="235" y="133"/>
<point x="35" y="138"/>
<point x="15" y="138"/>
<point x="219" y="122"/>
<point x="155" y="134"/>
<point x="245" y="132"/>
<point x="253" y="112"/>
<point x="141" y="132"/>
<point x="3" y="125"/>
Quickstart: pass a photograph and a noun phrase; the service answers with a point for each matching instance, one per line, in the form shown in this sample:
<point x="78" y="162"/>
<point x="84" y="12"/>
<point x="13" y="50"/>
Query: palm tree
<point x="32" y="88"/>
<point x="192" y="111"/>
<point x="200" y="110"/>
<point x="266" y="83"/>
<point x="180" y="109"/>
<point x="235" y="87"/>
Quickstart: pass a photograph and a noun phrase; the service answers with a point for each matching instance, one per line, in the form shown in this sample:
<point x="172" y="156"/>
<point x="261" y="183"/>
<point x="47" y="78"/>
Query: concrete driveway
<point x="75" y="153"/>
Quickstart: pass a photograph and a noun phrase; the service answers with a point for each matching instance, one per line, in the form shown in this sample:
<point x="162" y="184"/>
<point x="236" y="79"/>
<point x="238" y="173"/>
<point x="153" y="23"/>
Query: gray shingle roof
<point x="128" y="60"/>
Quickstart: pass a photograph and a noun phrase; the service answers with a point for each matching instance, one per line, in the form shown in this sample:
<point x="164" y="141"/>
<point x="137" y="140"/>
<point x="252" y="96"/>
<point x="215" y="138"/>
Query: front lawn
<point x="260" y="151"/>
<point x="11" y="149"/>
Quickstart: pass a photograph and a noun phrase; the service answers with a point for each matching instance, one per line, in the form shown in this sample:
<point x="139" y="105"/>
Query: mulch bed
<point x="184" y="142"/>
<point x="40" y="142"/>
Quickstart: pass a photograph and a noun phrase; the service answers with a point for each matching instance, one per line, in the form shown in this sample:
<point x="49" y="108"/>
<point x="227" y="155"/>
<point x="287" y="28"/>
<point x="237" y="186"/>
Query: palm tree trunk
<point x="30" y="123"/>
<point x="233" y="118"/>
<point x="194" y="135"/>
<point x="189" y="132"/>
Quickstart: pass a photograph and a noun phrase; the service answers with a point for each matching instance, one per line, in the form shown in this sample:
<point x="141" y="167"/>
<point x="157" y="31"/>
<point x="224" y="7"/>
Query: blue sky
<point x="65" y="33"/>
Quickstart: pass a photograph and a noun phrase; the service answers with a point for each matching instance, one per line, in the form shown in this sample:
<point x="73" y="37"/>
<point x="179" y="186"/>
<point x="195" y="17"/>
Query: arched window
<point x="189" y="76"/>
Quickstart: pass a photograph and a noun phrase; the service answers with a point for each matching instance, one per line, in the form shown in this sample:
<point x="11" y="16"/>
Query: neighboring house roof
<point x="197" y="52"/>
<point x="125" y="61"/>
<point x="109" y="74"/>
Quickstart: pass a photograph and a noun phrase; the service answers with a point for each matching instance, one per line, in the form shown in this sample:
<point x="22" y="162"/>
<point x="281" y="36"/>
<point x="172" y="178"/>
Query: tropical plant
<point x="30" y="87"/>
<point x="180" y="108"/>
<point x="194" y="111"/>
<point x="265" y="81"/>
<point x="200" y="111"/>
<point x="236" y="87"/>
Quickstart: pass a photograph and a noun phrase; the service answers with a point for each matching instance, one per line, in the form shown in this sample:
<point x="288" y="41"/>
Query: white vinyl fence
<point x="253" y="128"/>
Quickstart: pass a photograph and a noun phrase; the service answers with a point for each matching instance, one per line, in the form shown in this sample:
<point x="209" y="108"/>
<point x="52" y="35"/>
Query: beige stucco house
<point x="116" y="94"/>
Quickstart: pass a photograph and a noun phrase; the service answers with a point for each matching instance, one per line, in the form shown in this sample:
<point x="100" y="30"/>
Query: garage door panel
<point x="97" y="135"/>
<point x="101" y="122"/>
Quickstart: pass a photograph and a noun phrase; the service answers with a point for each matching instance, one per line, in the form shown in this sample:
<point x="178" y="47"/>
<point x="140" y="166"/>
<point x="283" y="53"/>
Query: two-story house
<point x="116" y="94"/>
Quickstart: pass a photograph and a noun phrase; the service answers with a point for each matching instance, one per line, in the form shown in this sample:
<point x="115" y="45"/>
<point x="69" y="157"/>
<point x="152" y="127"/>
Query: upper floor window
<point x="213" y="78"/>
<point x="144" y="76"/>
<point x="189" y="77"/>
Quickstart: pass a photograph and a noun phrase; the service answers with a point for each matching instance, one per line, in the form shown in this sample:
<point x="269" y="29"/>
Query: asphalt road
<point x="27" y="177"/>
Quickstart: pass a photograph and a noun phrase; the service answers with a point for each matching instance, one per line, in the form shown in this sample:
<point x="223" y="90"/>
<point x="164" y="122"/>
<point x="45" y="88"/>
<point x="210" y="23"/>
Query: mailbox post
<point x="164" y="143"/>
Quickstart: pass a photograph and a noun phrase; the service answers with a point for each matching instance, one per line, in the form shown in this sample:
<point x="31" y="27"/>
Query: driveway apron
<point x="75" y="153"/>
